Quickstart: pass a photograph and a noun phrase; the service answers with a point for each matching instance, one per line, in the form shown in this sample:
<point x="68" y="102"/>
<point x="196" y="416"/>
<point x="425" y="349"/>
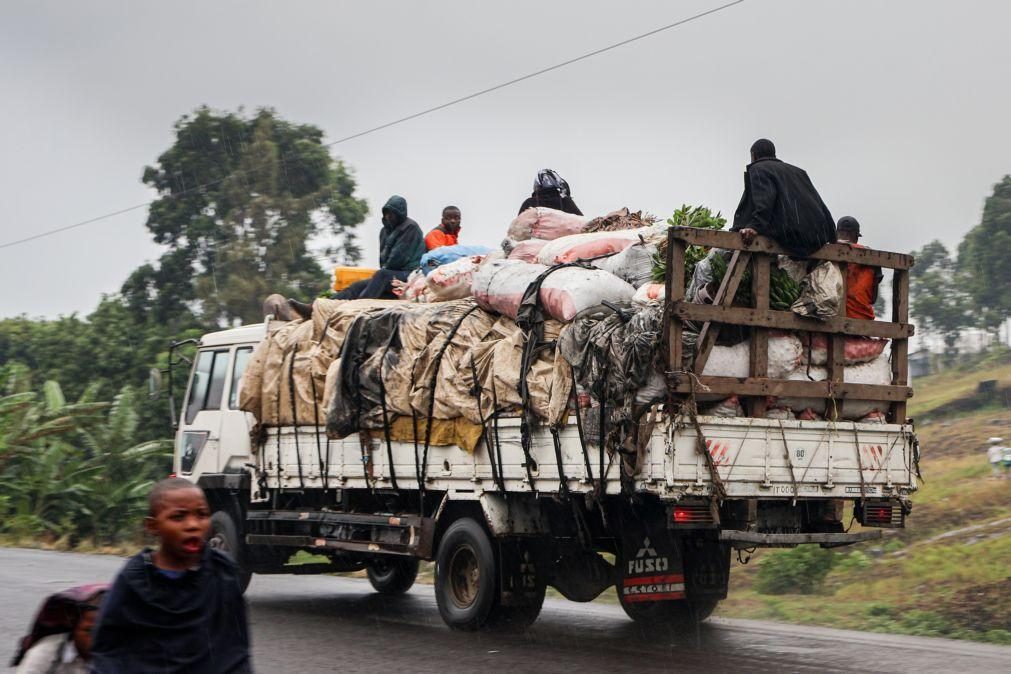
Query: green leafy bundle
<point x="687" y="216"/>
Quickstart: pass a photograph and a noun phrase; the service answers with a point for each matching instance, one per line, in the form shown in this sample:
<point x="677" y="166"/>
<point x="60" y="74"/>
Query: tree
<point x="239" y="200"/>
<point x="937" y="297"/>
<point x="983" y="256"/>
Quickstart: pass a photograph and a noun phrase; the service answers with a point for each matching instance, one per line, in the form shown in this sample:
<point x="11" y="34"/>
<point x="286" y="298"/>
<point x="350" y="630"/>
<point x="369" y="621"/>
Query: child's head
<point x="179" y="516"/>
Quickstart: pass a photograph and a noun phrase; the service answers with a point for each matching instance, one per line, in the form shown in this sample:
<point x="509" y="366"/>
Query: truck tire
<point x="392" y="575"/>
<point x="683" y="614"/>
<point x="225" y="537"/>
<point x="466" y="576"/>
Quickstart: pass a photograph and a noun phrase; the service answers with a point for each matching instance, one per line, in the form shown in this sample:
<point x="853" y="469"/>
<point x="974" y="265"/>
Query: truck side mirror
<point x="153" y="383"/>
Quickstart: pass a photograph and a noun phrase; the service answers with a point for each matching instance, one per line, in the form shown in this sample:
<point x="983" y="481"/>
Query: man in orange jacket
<point x="861" y="281"/>
<point x="447" y="231"/>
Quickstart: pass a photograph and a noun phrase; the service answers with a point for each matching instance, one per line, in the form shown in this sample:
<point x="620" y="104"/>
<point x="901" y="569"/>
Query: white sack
<point x="878" y="371"/>
<point x="500" y="285"/>
<point x="785" y="353"/>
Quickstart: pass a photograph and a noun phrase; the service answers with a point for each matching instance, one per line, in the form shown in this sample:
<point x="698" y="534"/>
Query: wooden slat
<point x="833" y="251"/>
<point x="799" y="389"/>
<point x="758" y="357"/>
<point x="836" y="352"/>
<point x="724" y="297"/>
<point x="900" y="347"/>
<point x="675" y="292"/>
<point x="786" y="320"/>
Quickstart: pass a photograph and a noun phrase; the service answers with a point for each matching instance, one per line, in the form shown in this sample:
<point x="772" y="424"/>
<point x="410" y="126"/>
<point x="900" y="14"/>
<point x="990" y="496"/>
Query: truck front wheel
<point x="392" y="575"/>
<point x="465" y="576"/>
<point x="225" y="537"/>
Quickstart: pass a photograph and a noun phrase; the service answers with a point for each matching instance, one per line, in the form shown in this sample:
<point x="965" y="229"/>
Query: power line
<point x="416" y="115"/>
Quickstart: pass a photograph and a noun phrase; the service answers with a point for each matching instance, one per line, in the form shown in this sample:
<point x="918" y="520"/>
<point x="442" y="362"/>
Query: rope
<point x="789" y="462"/>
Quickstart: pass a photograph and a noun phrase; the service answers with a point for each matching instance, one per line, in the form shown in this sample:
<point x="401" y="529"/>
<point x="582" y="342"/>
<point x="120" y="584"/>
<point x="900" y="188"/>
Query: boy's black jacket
<point x="152" y="623"/>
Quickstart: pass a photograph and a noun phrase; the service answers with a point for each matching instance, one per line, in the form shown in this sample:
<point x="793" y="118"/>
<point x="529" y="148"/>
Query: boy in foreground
<point x="178" y="608"/>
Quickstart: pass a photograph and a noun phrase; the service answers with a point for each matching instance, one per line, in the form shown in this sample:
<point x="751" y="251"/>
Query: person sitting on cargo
<point x="780" y="202"/>
<point x="551" y="191"/>
<point x="401" y="245"/>
<point x="861" y="280"/>
<point x="446" y="232"/>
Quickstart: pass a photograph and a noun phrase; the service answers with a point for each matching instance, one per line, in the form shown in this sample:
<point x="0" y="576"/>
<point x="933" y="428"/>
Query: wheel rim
<point x="382" y="569"/>
<point x="464" y="576"/>
<point x="218" y="541"/>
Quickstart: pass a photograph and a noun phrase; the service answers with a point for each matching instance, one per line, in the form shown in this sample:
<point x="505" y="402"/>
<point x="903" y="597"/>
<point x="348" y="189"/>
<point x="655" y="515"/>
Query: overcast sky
<point x="897" y="110"/>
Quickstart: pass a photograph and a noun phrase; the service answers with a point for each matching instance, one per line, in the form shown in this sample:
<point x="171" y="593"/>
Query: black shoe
<point x="301" y="308"/>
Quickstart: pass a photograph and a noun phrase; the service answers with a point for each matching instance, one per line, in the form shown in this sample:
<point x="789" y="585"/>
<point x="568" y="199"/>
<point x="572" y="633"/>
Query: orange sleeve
<point x="436" y="239"/>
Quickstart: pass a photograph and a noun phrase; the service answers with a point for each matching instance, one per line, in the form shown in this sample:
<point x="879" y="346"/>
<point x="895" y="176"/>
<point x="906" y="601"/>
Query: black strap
<point x="431" y="397"/>
<point x="563" y="482"/>
<point x="294" y="414"/>
<point x="386" y="417"/>
<point x="315" y="422"/>
<point x="485" y="431"/>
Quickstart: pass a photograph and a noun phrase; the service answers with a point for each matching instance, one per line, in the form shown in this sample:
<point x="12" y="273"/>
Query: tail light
<point x="692" y="516"/>
<point x="884" y="514"/>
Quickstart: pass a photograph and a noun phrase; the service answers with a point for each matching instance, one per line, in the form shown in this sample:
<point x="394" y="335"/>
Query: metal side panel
<point x="754" y="457"/>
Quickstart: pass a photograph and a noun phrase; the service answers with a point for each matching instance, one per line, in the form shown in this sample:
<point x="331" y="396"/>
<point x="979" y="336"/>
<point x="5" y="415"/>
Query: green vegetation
<point x="71" y="472"/>
<point x="947" y="574"/>
<point x="77" y="473"/>
<point x="801" y="570"/>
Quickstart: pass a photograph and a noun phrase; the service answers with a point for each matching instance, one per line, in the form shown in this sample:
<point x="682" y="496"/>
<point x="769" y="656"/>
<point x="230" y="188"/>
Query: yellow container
<point x="345" y="276"/>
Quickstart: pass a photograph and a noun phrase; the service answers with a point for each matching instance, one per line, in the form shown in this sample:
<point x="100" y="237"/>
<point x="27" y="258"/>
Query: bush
<point x="798" y="571"/>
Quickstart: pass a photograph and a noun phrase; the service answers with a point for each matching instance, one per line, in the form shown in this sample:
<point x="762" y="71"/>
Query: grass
<point x="933" y="393"/>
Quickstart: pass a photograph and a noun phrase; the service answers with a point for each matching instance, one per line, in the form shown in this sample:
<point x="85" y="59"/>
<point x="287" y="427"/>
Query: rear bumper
<point x="753" y="539"/>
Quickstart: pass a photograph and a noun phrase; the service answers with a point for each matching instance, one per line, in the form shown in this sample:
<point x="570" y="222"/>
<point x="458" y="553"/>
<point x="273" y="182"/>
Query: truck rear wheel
<point x="225" y="537"/>
<point x="392" y="575"/>
<point x="466" y="573"/>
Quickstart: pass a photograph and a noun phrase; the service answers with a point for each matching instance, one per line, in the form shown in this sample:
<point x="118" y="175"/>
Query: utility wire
<point x="416" y="115"/>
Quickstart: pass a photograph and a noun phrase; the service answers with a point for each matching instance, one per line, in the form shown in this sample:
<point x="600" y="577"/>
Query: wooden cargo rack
<point x="760" y="318"/>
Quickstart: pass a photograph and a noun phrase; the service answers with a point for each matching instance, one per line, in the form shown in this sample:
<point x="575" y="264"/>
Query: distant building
<point x="920" y="364"/>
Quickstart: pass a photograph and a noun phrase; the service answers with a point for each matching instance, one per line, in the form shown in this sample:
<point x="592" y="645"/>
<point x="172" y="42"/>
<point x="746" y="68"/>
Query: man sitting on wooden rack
<point x="780" y="202"/>
<point x="861" y="281"/>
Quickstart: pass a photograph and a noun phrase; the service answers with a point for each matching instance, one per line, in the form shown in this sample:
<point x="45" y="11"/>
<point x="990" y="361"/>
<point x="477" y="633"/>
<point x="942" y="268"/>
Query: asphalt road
<point x="308" y="624"/>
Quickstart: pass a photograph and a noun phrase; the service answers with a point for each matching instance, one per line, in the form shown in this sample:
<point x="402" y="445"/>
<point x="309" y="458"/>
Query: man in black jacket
<point x="401" y="245"/>
<point x="780" y="202"/>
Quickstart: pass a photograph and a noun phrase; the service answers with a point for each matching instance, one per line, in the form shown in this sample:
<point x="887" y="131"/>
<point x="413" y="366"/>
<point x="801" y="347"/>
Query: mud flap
<point x="652" y="566"/>
<point x="521" y="581"/>
<point x="707" y="567"/>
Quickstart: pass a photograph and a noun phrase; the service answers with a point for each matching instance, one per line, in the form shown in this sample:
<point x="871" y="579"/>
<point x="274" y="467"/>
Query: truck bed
<point x="754" y="458"/>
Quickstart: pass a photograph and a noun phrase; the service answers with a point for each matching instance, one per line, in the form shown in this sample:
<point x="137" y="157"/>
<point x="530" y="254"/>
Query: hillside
<point x="948" y="573"/>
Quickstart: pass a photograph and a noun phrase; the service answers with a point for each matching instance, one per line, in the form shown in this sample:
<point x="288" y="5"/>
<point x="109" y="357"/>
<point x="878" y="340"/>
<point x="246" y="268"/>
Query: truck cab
<point x="211" y="410"/>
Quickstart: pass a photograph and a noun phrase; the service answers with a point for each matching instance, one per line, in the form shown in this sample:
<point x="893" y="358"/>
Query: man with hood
<point x="780" y="202"/>
<point x="551" y="191"/>
<point x="401" y="245"/>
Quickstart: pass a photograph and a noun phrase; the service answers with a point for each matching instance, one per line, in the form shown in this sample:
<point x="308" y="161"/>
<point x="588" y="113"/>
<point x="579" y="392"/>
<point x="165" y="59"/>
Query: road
<point x="308" y="624"/>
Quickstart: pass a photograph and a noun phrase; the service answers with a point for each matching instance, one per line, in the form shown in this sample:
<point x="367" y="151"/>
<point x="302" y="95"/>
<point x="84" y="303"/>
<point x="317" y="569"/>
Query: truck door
<point x="234" y="448"/>
<point x="200" y="431"/>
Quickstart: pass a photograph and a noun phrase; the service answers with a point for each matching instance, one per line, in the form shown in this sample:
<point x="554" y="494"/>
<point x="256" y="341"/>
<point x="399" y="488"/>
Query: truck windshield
<point x="208" y="383"/>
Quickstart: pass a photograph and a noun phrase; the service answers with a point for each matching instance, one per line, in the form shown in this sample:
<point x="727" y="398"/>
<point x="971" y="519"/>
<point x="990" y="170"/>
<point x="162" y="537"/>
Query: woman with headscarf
<point x="60" y="638"/>
<point x="551" y="191"/>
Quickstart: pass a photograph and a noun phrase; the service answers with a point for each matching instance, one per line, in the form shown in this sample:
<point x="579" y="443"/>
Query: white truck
<point x="502" y="523"/>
